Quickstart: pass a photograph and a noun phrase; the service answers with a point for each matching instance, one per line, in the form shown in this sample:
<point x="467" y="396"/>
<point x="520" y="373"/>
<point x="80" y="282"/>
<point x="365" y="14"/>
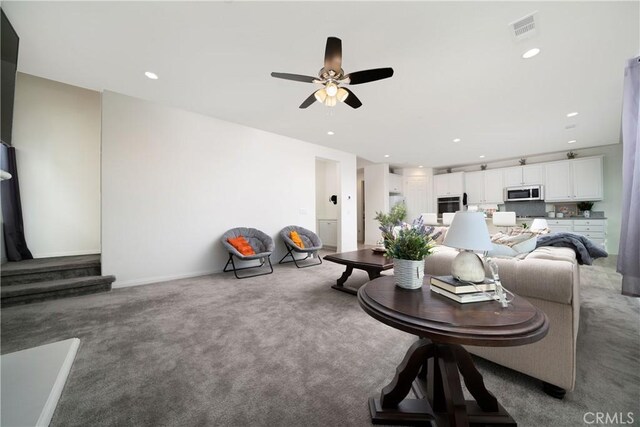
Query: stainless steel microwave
<point x="517" y="194"/>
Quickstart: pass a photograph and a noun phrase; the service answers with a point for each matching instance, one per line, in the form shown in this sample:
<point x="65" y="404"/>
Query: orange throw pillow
<point x="241" y="244"/>
<point x="296" y="239"/>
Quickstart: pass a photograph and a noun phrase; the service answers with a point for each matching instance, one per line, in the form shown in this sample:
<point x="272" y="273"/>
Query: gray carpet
<point x="286" y="349"/>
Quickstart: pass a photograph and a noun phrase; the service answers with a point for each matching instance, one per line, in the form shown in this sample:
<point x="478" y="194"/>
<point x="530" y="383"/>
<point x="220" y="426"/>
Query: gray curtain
<point x="629" y="253"/>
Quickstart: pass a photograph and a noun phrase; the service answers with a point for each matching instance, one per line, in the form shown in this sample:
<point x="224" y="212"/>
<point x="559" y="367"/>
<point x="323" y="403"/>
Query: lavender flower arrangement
<point x="409" y="241"/>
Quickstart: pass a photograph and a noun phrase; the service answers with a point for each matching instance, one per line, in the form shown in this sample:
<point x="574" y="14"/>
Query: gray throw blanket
<point x="586" y="250"/>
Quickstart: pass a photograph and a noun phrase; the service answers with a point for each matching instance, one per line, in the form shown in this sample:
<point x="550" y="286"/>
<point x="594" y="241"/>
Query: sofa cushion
<point x="438" y="234"/>
<point x="508" y="245"/>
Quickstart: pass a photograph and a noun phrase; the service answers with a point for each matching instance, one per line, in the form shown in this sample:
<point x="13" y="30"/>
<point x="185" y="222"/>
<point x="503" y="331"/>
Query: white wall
<point x="327" y="185"/>
<point x="173" y="182"/>
<point x="376" y="196"/>
<point x="56" y="133"/>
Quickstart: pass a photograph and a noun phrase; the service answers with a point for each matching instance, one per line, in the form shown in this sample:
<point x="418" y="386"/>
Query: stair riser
<point x="46" y="276"/>
<point x="64" y="293"/>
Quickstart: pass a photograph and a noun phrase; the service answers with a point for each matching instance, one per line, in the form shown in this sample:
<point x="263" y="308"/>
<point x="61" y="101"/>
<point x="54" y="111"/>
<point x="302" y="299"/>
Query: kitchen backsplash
<point x="539" y="209"/>
<point x="531" y="208"/>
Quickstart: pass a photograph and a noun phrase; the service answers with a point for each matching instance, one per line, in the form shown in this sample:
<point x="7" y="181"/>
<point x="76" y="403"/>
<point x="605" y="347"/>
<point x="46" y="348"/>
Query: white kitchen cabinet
<point x="558" y="179"/>
<point x="493" y="186"/>
<point x="587" y="178"/>
<point x="474" y="187"/>
<point x="574" y="180"/>
<point x="395" y="183"/>
<point x="449" y="184"/>
<point x="328" y="232"/>
<point x="594" y="229"/>
<point x="519" y="176"/>
<point x="560" y="225"/>
<point x="484" y="187"/>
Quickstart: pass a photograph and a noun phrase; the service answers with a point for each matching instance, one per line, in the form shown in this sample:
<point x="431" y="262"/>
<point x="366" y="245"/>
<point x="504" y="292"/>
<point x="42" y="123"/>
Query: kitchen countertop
<point x="524" y="218"/>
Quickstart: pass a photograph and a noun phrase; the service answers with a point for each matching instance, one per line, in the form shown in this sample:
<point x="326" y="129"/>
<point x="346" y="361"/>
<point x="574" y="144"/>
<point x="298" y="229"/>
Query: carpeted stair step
<point x="41" y="291"/>
<point x="49" y="269"/>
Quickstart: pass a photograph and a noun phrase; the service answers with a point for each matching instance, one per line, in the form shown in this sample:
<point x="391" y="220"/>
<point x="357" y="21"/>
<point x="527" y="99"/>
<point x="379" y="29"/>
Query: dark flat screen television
<point x="9" y="53"/>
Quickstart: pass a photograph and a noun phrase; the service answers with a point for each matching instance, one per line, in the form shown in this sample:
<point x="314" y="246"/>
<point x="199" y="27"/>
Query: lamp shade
<point x="469" y="231"/>
<point x="539" y="224"/>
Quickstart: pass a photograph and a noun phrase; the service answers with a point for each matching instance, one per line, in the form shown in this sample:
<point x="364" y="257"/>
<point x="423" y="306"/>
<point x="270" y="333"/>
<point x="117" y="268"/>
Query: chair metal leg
<point x="295" y="261"/>
<point x="235" y="270"/>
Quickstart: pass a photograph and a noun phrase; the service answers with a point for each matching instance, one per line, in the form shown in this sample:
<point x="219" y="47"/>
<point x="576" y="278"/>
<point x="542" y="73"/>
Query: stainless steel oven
<point x="449" y="204"/>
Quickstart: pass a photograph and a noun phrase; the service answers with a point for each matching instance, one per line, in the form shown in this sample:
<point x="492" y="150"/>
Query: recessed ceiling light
<point x="152" y="76"/>
<point x="420" y="166"/>
<point x="482" y="156"/>
<point x="456" y="140"/>
<point x="575" y="113"/>
<point x="330" y="133"/>
<point x="531" y="53"/>
<point x="571" y="142"/>
<point x="386" y="155"/>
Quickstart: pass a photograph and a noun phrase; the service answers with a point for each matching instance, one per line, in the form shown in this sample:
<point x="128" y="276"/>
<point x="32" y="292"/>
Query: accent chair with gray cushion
<point x="261" y="243"/>
<point x="310" y="240"/>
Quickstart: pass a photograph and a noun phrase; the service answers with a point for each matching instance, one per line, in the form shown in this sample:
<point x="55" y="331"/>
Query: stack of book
<point x="463" y="292"/>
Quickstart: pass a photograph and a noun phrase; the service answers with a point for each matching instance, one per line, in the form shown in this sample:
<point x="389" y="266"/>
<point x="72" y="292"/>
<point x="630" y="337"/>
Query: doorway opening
<point x="328" y="202"/>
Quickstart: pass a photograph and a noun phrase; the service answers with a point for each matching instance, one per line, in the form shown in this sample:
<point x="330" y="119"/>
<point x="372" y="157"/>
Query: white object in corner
<point x="504" y="219"/>
<point x="32" y="382"/>
<point x="395" y="183"/>
<point x="328" y="232"/>
<point x="4" y="175"/>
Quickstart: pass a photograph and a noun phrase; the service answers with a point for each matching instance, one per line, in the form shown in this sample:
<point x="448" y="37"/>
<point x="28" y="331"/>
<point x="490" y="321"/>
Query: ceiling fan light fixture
<point x="320" y="95"/>
<point x="342" y="94"/>
<point x="332" y="89"/>
<point x="330" y="101"/>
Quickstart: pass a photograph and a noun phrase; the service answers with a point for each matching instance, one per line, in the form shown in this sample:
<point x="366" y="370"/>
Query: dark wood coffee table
<point x="433" y="364"/>
<point x="365" y="259"/>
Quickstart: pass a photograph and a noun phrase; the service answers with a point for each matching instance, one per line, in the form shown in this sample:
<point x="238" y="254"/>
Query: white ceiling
<point x="458" y="71"/>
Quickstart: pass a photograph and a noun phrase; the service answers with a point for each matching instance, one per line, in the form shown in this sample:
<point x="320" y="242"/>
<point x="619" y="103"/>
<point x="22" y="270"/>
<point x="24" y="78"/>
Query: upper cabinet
<point x="524" y="175"/>
<point x="449" y="184"/>
<point x="484" y="187"/>
<point x="474" y="187"/>
<point x="395" y="183"/>
<point x="574" y="180"/>
<point x="494" y="186"/>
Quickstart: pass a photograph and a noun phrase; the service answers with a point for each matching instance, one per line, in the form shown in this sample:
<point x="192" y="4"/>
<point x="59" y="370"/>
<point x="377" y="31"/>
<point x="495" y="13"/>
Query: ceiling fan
<point x="332" y="77"/>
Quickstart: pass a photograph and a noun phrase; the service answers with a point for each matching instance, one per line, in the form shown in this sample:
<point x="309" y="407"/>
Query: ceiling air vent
<point x="524" y="27"/>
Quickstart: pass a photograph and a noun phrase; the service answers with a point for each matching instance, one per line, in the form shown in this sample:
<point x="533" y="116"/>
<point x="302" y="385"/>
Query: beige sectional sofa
<point x="548" y="278"/>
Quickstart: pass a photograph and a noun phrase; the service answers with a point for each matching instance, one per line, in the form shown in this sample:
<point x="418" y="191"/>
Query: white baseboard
<point x="67" y="253"/>
<point x="159" y="279"/>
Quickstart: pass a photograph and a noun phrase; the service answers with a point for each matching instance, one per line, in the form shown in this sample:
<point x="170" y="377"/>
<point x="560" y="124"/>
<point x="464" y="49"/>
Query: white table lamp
<point x="539" y="224"/>
<point x="468" y="231"/>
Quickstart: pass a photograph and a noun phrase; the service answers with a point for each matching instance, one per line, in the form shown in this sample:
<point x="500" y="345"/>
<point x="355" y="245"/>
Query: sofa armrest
<point x="549" y="280"/>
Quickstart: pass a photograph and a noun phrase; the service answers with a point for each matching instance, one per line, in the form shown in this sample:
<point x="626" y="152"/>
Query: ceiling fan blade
<point x="352" y="100"/>
<point x="367" y="76"/>
<point x="333" y="54"/>
<point x="295" y="77"/>
<point x="310" y="100"/>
